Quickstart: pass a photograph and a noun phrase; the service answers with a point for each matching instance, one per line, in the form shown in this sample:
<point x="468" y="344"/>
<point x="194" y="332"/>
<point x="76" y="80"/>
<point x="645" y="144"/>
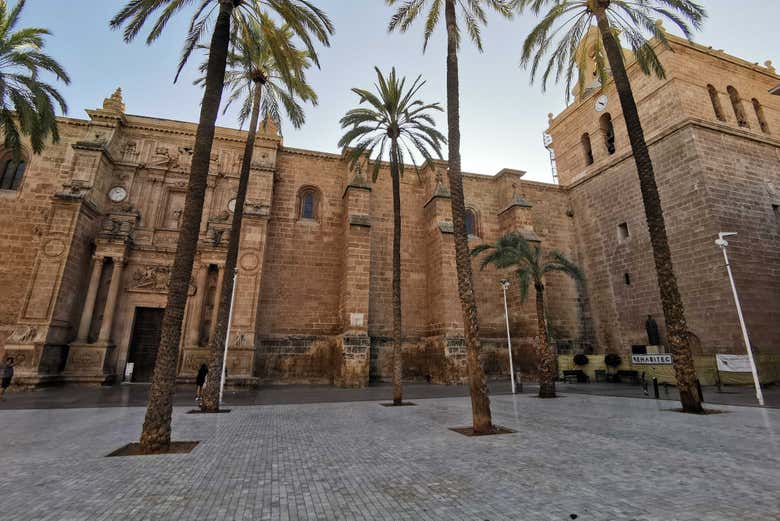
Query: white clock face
<point x="601" y="103"/>
<point x="232" y="205"/>
<point x="117" y="194"/>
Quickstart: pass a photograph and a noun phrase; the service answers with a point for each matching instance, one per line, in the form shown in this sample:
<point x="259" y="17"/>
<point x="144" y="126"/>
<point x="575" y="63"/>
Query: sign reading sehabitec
<point x="651" y="359"/>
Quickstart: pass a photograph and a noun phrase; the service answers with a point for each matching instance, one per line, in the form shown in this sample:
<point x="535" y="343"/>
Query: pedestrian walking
<point x="8" y="374"/>
<point x="200" y="381"/>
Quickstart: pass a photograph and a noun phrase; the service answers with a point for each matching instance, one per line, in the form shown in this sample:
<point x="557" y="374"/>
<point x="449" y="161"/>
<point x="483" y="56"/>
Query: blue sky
<point x="502" y="116"/>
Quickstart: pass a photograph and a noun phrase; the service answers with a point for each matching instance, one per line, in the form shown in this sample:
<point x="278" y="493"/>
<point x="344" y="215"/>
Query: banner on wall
<point x="733" y="363"/>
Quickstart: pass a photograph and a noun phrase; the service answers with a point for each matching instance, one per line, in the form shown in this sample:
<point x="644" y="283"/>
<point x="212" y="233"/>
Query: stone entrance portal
<point x="145" y="342"/>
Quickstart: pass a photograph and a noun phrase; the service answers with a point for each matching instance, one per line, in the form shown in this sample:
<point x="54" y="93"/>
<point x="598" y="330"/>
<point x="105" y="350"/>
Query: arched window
<point x="308" y="203"/>
<point x="609" y="132"/>
<point x="587" y="149"/>
<point x="12" y="173"/>
<point x="739" y="110"/>
<point x="716" y="106"/>
<point x="760" y="115"/>
<point x="471" y="223"/>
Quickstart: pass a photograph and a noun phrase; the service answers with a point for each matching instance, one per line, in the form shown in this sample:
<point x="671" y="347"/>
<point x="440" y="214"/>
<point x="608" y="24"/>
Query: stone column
<point x="113" y="292"/>
<point x="217" y="294"/>
<point x="197" y="306"/>
<point x="89" y="303"/>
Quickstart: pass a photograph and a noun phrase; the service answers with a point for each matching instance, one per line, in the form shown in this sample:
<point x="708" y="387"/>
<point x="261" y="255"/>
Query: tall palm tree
<point x="568" y="21"/>
<point x="531" y="265"/>
<point x="473" y="16"/>
<point x="395" y="125"/>
<point x="26" y="103"/>
<point x="307" y="22"/>
<point x="258" y="81"/>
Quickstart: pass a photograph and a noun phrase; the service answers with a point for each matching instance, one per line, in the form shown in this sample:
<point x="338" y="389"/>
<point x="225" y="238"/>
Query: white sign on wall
<point x="651" y="359"/>
<point x="733" y="363"/>
<point x="129" y="371"/>
<point x="356" y="319"/>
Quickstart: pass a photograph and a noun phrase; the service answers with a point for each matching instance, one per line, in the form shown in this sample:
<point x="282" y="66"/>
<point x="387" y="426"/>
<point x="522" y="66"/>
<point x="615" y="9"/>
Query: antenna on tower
<point x="547" y="140"/>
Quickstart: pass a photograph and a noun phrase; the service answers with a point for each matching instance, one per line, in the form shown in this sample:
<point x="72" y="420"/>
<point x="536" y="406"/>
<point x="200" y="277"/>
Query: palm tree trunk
<point x="480" y="402"/>
<point x="210" y="401"/>
<point x="397" y="338"/>
<point x="671" y="301"/>
<point x="156" y="434"/>
<point x="547" y="372"/>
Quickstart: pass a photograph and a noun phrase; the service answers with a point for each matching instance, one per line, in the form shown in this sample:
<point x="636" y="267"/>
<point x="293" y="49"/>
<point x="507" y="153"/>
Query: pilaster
<point x="251" y="259"/>
<point x="354" y="342"/>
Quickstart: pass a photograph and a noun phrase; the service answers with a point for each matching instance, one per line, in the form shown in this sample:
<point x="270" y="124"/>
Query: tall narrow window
<point x="716" y="106"/>
<point x="739" y="110"/>
<point x="307" y="206"/>
<point x="622" y="232"/>
<point x="12" y="174"/>
<point x="760" y="115"/>
<point x="609" y="133"/>
<point x="587" y="149"/>
<point x="308" y="202"/>
<point x="471" y="223"/>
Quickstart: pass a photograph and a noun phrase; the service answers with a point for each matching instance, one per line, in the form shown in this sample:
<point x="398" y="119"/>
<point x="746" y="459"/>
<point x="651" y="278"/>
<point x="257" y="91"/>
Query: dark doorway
<point x="145" y="342"/>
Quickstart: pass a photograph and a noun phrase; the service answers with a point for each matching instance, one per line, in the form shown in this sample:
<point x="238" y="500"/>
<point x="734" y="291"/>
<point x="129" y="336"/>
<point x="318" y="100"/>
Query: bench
<point x="575" y="376"/>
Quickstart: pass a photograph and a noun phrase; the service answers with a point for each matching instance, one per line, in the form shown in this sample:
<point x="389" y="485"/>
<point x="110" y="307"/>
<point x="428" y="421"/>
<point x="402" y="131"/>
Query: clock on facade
<point x="117" y="194"/>
<point x="601" y="103"/>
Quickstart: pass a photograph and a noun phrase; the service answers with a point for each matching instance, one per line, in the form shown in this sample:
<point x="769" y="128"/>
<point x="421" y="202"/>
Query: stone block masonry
<point x="87" y="242"/>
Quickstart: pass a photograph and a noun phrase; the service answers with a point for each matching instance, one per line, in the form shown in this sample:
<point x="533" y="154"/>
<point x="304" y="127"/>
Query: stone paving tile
<point x="600" y="458"/>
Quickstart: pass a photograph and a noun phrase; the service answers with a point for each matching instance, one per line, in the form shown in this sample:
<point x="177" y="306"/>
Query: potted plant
<point x="612" y="360"/>
<point x="580" y="359"/>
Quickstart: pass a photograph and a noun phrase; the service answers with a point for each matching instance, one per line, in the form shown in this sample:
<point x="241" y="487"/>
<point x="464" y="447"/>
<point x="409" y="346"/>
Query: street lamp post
<point x="723" y="244"/>
<point x="505" y="286"/>
<point x="227" y="338"/>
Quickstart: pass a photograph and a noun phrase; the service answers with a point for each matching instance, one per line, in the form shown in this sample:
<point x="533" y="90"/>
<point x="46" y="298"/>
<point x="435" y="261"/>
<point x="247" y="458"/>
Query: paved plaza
<point x="596" y="457"/>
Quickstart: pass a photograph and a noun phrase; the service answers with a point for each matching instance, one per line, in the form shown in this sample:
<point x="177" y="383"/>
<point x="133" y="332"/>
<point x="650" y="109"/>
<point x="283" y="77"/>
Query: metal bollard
<point x="655" y="388"/>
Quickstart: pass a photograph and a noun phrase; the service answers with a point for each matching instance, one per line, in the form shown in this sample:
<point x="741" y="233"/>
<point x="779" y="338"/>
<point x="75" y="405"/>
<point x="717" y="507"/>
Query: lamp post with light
<point x="723" y="244"/>
<point x="505" y="286"/>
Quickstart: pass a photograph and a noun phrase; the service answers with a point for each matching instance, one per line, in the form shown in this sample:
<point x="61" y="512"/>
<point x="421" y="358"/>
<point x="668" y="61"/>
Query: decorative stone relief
<point x="155" y="279"/>
<point x="26" y="335"/>
<point x="152" y="278"/>
<point x="54" y="248"/>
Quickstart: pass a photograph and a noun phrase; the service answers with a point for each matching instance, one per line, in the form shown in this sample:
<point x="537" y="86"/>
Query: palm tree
<point x="26" y="103"/>
<point x="473" y="15"/>
<point x="256" y="79"/>
<point x="398" y="125"/>
<point x="306" y="22"/>
<point x="568" y="21"/>
<point x="531" y="265"/>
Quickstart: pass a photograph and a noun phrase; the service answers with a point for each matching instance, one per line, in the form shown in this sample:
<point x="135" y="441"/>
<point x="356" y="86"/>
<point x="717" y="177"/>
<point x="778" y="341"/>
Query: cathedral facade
<point x="90" y="229"/>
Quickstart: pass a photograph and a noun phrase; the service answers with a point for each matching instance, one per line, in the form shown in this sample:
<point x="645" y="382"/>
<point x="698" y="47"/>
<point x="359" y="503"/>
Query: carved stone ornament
<point x="25" y="335"/>
<point x="152" y="278"/>
<point x="155" y="279"/>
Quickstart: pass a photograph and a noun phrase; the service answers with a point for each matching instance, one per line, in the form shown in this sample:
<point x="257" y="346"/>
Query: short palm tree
<point x="531" y="265"/>
<point x="27" y="104"/>
<point x="473" y="15"/>
<point x="264" y="87"/>
<point x="308" y="23"/>
<point x="395" y="125"/>
<point x="556" y="39"/>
